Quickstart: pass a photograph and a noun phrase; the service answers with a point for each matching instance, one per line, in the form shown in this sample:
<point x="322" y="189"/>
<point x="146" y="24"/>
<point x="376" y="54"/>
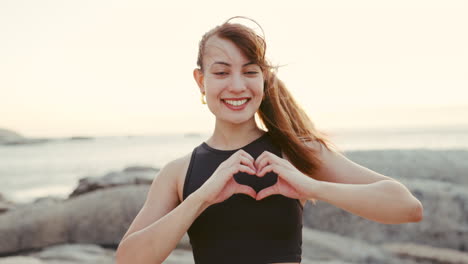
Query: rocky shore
<point x="88" y="225"/>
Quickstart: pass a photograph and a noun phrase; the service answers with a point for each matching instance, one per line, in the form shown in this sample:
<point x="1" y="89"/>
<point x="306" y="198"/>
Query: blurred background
<point x="120" y="72"/>
<point x="92" y="87"/>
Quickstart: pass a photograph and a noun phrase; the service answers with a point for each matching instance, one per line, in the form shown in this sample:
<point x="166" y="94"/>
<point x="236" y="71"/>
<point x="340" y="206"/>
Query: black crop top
<point x="241" y="229"/>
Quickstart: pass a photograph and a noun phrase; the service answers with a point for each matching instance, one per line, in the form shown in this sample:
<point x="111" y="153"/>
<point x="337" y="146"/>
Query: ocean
<point x="53" y="168"/>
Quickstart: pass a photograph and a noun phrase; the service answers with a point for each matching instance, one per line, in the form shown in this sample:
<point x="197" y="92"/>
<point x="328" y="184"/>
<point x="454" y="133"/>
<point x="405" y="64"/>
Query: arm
<point x="158" y="227"/>
<point x="385" y="201"/>
<point x="362" y="191"/>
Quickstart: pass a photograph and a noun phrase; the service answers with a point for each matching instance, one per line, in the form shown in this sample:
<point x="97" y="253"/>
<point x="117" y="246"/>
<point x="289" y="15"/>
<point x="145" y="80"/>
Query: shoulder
<point x="178" y="168"/>
<point x="163" y="195"/>
<point x="176" y="164"/>
<point x="172" y="175"/>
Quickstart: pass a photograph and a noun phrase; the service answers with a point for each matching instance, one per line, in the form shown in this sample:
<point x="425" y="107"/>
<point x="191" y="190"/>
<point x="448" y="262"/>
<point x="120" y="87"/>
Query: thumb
<point x="267" y="192"/>
<point x="245" y="189"/>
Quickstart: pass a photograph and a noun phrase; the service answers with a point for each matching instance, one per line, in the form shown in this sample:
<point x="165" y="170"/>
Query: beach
<point x="98" y="97"/>
<point x="84" y="221"/>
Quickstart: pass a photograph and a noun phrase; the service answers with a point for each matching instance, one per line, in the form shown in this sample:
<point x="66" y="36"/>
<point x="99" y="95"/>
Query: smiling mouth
<point x="236" y="102"/>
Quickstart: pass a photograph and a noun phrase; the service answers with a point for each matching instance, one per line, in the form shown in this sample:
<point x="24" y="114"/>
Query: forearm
<point x="385" y="201"/>
<point x="154" y="243"/>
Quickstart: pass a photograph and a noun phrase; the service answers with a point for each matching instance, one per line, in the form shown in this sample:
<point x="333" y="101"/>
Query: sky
<point x="97" y="67"/>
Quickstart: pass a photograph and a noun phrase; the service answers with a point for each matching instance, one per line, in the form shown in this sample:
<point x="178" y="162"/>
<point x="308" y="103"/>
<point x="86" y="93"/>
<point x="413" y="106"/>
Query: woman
<point x="240" y="194"/>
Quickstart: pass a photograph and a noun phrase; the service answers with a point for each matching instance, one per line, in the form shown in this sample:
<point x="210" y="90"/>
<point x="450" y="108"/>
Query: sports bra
<point x="241" y="229"/>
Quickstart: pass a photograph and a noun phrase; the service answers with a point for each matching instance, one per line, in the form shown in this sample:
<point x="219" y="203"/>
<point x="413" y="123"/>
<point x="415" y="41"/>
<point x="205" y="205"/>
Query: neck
<point x="232" y="136"/>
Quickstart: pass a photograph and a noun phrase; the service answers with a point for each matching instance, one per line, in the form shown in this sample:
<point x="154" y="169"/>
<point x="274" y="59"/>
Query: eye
<point x="251" y="72"/>
<point x="220" y="73"/>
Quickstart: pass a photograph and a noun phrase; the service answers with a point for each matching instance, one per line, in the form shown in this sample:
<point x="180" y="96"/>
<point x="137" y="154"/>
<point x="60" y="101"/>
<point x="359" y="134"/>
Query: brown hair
<point x="286" y="121"/>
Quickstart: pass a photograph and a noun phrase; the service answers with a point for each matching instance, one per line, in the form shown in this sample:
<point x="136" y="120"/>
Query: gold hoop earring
<point x="203" y="99"/>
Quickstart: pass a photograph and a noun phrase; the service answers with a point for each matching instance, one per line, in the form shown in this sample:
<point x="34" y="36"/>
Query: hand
<point x="222" y="185"/>
<point x="291" y="182"/>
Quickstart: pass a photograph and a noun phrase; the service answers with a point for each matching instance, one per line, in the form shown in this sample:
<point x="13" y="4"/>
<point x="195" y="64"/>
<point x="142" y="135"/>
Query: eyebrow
<point x="227" y="64"/>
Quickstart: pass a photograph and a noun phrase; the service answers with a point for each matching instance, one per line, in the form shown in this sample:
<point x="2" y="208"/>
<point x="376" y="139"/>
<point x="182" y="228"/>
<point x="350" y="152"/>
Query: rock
<point x="76" y="253"/>
<point x="5" y="204"/>
<point x="427" y="253"/>
<point x="318" y="247"/>
<point x="445" y="222"/>
<point x="180" y="256"/>
<point x="85" y="254"/>
<point x="100" y="217"/>
<point x="5" y="207"/>
<point x="308" y="261"/>
<point x="8" y="136"/>
<point x="80" y="138"/>
<point x="41" y="201"/>
<point x="139" y="169"/>
<point x="103" y="216"/>
<point x="20" y="260"/>
<point x="130" y="175"/>
<point x="184" y="243"/>
<point x="422" y="164"/>
<point x="48" y="199"/>
<point x="325" y="247"/>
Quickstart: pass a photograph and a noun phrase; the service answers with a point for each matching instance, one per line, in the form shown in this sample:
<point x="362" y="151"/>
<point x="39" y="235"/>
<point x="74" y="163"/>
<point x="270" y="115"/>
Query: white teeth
<point x="236" y="102"/>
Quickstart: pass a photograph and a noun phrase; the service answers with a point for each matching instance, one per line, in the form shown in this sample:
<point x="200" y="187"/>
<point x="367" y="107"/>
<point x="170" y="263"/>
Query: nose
<point x="237" y="84"/>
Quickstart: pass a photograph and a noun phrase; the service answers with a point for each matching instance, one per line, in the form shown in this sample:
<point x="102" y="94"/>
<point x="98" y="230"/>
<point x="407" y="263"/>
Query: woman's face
<point x="233" y="84"/>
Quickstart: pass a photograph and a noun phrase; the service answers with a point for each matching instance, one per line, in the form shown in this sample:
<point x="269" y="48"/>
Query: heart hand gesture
<point x="290" y="182"/>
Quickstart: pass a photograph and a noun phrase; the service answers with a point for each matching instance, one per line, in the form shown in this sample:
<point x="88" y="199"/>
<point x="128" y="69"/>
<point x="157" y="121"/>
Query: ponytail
<point x="289" y="125"/>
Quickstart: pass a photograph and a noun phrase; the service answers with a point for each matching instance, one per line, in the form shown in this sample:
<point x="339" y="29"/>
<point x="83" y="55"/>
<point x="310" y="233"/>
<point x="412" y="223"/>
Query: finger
<point x="259" y="159"/>
<point x="244" y="158"/>
<point x="245" y="189"/>
<point x="264" y="170"/>
<point x="265" y="158"/>
<point x="267" y="192"/>
<point x="264" y="161"/>
<point x="246" y="154"/>
<point x="247" y="162"/>
<point x="243" y="153"/>
<point x="243" y="168"/>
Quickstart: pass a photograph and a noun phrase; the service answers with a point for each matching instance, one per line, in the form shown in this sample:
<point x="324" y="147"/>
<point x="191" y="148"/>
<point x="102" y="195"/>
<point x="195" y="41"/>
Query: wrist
<point x="199" y="199"/>
<point x="316" y="190"/>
